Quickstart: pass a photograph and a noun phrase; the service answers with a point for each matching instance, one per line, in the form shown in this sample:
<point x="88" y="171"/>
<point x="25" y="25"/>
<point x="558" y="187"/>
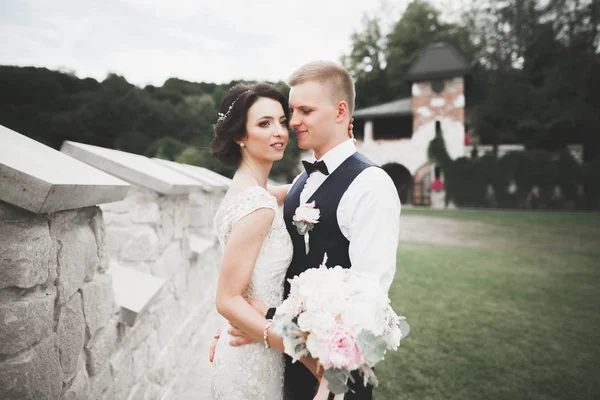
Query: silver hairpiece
<point x="222" y="116"/>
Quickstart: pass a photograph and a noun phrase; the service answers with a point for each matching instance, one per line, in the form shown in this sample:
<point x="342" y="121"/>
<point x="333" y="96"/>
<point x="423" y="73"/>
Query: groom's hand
<point x="240" y="337"/>
<point x="213" y="346"/>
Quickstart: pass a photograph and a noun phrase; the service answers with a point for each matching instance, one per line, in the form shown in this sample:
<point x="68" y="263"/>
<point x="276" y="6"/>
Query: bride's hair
<point x="231" y="123"/>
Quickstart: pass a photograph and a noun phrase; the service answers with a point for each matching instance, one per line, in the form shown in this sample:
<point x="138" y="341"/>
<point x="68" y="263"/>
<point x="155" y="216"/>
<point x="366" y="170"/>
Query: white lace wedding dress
<point x="252" y="372"/>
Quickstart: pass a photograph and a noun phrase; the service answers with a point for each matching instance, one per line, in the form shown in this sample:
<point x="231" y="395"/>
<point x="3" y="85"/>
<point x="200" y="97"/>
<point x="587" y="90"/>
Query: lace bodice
<point x="266" y="283"/>
<point x="252" y="372"/>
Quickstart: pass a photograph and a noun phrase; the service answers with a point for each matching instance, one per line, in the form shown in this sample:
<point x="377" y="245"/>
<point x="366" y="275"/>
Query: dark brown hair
<point x="233" y="127"/>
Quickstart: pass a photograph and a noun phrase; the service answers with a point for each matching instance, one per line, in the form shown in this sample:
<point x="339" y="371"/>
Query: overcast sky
<point x="148" y="41"/>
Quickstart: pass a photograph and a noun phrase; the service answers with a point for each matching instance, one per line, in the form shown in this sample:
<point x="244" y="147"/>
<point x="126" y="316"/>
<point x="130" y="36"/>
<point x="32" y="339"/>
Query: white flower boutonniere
<point x="305" y="218"/>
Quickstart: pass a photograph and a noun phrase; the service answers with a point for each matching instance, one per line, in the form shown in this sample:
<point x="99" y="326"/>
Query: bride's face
<point x="266" y="131"/>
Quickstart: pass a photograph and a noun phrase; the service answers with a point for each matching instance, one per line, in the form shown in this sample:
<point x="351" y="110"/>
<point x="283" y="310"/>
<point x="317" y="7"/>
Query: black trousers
<point x="301" y="384"/>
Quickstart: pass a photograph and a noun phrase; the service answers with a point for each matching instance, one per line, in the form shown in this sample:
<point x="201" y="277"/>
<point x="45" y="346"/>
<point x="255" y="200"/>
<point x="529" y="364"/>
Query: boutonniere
<point x="305" y="218"/>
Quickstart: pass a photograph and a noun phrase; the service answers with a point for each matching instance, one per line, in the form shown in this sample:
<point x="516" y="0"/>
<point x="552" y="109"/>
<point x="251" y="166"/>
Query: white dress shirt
<point x="368" y="214"/>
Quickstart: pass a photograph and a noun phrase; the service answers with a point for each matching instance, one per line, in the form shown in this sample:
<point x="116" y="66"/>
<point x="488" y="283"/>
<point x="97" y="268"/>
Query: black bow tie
<point x="316" y="166"/>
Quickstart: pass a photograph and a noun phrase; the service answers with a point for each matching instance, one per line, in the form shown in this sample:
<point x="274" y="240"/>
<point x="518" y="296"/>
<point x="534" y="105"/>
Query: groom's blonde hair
<point x="334" y="75"/>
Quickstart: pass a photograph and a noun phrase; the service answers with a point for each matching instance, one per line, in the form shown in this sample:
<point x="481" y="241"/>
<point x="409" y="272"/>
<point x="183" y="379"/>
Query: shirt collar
<point x="336" y="156"/>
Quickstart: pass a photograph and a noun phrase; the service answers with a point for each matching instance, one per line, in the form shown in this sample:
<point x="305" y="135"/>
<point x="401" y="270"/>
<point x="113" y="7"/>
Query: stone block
<point x="146" y="390"/>
<point x="71" y="331"/>
<point x="98" y="302"/>
<point x="165" y="369"/>
<point x="143" y="210"/>
<point x="140" y="207"/>
<point x="101" y="347"/>
<point x="134" y="292"/>
<point x="170" y="261"/>
<point x="121" y="365"/>
<point x="77" y="251"/>
<point x="26" y="259"/>
<point x="97" y="225"/>
<point x="25" y="318"/>
<point x="37" y="178"/>
<point x="145" y="355"/>
<point x="132" y="168"/>
<point x="133" y="243"/>
<point x="34" y="374"/>
<point x="199" y="217"/>
<point x="79" y="387"/>
<point x="101" y="385"/>
<point x="174" y="218"/>
<point x="168" y="313"/>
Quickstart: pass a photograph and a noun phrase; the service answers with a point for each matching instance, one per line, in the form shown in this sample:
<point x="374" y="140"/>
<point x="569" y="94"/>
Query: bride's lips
<point x="278" y="145"/>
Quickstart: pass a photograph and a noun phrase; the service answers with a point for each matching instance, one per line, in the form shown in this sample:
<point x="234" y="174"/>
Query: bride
<point x="250" y="134"/>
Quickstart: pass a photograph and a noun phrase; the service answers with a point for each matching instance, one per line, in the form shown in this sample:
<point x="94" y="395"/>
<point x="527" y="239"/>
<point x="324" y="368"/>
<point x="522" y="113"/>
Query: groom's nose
<point x="295" y="120"/>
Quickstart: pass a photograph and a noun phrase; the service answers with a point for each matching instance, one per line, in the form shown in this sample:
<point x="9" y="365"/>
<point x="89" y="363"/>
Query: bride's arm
<point x="239" y="257"/>
<point x="279" y="192"/>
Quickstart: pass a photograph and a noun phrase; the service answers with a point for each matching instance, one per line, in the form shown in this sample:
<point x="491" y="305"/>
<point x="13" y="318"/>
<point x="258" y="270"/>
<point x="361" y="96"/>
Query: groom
<point x="359" y="204"/>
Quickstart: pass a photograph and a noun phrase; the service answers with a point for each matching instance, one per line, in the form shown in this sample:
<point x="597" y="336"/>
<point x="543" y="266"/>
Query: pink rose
<point x="340" y="350"/>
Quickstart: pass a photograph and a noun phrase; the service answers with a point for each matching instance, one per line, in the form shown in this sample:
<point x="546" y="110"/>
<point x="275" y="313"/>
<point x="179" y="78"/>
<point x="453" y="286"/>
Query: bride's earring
<point x="242" y="145"/>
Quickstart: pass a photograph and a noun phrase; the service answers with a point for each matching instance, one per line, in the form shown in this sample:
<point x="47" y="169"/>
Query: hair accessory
<point x="222" y="116"/>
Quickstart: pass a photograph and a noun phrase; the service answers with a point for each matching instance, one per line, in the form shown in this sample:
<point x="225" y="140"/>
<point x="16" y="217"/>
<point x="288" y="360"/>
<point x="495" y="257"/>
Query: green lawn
<point x="517" y="322"/>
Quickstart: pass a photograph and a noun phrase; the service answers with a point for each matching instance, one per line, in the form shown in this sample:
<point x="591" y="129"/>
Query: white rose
<point x="313" y="344"/>
<point x="307" y="213"/>
<point x="393" y="338"/>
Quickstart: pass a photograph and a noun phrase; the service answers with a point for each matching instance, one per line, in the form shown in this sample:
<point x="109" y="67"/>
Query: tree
<point x="379" y="61"/>
<point x="419" y="26"/>
<point x="366" y="63"/>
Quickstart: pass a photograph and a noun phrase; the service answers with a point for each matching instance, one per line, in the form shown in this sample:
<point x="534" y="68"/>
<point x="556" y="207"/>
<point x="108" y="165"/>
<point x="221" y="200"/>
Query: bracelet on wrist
<point x="266" y="333"/>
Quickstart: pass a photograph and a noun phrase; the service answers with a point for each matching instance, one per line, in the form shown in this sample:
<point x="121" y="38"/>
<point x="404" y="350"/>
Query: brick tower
<point x="438" y="96"/>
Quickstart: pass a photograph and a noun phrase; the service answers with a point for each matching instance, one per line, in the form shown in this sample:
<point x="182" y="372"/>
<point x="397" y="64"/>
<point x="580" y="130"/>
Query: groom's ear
<point x="342" y="111"/>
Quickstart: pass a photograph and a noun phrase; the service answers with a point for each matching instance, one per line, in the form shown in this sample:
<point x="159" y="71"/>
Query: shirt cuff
<point x="270" y="313"/>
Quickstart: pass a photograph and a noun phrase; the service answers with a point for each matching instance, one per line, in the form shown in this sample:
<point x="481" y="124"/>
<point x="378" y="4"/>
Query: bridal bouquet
<point x="343" y="319"/>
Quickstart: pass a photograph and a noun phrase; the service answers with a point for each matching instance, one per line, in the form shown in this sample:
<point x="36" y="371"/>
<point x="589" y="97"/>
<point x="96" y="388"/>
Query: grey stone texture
<point x="25" y="318"/>
<point x="78" y="388"/>
<point x="101" y="386"/>
<point x="26" y="259"/>
<point x="34" y="374"/>
<point x="77" y="251"/>
<point x="98" y="303"/>
<point x="59" y="332"/>
<point x="101" y="347"/>
<point x="71" y="332"/>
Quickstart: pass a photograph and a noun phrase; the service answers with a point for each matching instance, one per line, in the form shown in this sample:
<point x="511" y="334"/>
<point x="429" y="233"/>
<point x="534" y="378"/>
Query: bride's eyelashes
<point x="267" y="123"/>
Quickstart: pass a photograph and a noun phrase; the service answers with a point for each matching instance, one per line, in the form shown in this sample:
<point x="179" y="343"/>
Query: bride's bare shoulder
<point x="239" y="184"/>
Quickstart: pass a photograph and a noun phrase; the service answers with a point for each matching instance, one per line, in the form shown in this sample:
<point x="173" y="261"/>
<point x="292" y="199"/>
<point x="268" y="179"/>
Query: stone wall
<point x="105" y="302"/>
<point x="56" y="303"/>
<point x="60" y="336"/>
<point x="151" y="233"/>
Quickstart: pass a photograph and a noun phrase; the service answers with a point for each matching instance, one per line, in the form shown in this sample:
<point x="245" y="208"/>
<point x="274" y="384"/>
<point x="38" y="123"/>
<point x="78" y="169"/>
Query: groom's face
<point x="313" y="114"/>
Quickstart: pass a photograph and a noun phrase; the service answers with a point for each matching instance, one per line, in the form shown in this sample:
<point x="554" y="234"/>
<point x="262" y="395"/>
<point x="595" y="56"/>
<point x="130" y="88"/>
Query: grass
<point x="499" y="323"/>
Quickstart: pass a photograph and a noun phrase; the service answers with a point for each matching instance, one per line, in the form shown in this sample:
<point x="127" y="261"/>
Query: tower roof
<point x="437" y="61"/>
